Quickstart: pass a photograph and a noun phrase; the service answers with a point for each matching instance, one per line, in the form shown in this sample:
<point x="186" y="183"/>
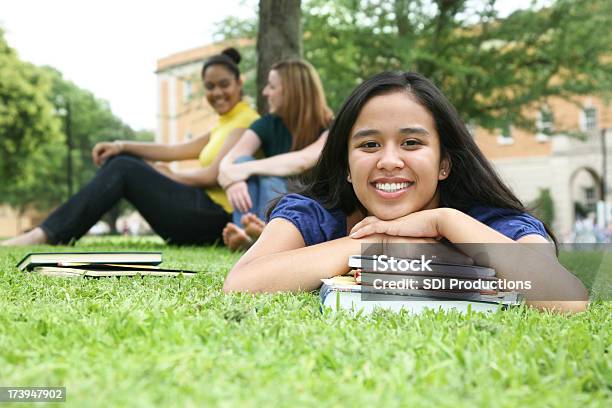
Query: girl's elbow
<point x="579" y="303"/>
<point x="574" y="298"/>
<point x="578" y="306"/>
<point x="232" y="284"/>
<point x="569" y="307"/>
<point x="236" y="282"/>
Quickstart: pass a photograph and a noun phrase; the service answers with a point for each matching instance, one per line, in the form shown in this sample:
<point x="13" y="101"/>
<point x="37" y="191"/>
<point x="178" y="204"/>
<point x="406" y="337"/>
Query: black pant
<point x="180" y="214"/>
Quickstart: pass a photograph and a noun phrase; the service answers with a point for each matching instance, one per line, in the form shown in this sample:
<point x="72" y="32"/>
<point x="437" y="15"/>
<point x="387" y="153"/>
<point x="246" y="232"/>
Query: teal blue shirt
<point x="274" y="135"/>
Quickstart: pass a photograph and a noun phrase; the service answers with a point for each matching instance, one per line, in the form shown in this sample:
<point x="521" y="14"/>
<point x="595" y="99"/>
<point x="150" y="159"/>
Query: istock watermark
<point x="535" y="271"/>
<point x="451" y="284"/>
<point x="384" y="263"/>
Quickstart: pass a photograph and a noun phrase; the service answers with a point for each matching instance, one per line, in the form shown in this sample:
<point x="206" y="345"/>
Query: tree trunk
<point x="279" y="37"/>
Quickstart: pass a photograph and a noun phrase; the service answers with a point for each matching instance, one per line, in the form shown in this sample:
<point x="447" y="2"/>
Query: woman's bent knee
<point x="123" y="162"/>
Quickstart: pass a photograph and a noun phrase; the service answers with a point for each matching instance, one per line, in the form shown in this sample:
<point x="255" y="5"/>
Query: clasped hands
<point x="412" y="230"/>
<point x="420" y="224"/>
<point x="232" y="178"/>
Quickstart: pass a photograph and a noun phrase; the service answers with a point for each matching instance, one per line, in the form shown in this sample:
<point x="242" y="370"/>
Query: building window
<point x="186" y="91"/>
<point x="589" y="194"/>
<point x="590" y="199"/>
<point x="545" y="124"/>
<point x="505" y="135"/>
<point x="588" y="119"/>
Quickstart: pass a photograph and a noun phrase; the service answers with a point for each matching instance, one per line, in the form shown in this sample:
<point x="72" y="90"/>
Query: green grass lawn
<point x="181" y="341"/>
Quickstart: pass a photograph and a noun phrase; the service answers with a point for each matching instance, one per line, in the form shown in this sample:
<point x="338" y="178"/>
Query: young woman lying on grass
<point x="290" y="137"/>
<point x="399" y="166"/>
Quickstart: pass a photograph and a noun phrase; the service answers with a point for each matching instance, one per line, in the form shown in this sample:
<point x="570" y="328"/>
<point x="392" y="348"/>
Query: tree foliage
<point x="490" y="68"/>
<point x="33" y="127"/>
<point x="91" y="121"/>
<point x="544" y="206"/>
<point x="27" y="119"/>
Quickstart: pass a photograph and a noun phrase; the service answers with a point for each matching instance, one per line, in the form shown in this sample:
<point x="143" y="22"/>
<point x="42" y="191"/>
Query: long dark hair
<point x="472" y="180"/>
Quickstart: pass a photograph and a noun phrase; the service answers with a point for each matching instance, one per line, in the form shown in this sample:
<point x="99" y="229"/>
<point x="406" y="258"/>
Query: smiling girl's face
<point x="394" y="157"/>
<point x="223" y="90"/>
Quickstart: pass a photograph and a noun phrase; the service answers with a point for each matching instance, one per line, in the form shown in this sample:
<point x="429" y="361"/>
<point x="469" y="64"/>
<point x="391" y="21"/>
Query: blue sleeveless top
<point x="318" y="224"/>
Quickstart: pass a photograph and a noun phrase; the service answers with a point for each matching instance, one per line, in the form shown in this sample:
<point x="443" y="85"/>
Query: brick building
<point x="571" y="168"/>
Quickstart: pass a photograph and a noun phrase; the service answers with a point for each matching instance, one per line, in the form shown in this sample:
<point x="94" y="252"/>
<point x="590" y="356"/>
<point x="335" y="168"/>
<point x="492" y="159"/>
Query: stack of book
<point x="97" y="264"/>
<point x="415" y="285"/>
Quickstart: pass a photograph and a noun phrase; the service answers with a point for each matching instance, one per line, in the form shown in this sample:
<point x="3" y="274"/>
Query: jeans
<point x="262" y="190"/>
<point x="179" y="213"/>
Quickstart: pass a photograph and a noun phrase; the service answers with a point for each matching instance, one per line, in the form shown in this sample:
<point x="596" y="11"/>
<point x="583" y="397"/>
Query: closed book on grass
<point x="103" y="270"/>
<point x="62" y="258"/>
<point x="356" y="298"/>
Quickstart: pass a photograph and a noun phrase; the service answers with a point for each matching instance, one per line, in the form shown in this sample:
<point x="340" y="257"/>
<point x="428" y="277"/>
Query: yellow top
<point x="241" y="116"/>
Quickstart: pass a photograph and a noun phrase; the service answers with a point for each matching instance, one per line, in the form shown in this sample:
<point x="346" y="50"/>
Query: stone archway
<point x="585" y="191"/>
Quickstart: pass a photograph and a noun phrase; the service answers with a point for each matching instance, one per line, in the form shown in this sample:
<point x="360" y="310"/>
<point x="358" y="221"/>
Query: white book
<point x="350" y="297"/>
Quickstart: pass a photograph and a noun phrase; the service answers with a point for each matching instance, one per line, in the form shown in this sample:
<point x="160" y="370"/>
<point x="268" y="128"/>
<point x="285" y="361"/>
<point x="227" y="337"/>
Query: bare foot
<point x="235" y="238"/>
<point x="35" y="237"/>
<point x="253" y="226"/>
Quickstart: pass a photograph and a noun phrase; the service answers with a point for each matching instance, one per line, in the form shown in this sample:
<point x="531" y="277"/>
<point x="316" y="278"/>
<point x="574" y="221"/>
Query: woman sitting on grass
<point x="183" y="207"/>
<point x="399" y="166"/>
<point x="291" y="138"/>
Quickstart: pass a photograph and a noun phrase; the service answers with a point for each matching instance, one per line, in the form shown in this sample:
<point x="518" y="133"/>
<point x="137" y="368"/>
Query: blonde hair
<point x="304" y="109"/>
